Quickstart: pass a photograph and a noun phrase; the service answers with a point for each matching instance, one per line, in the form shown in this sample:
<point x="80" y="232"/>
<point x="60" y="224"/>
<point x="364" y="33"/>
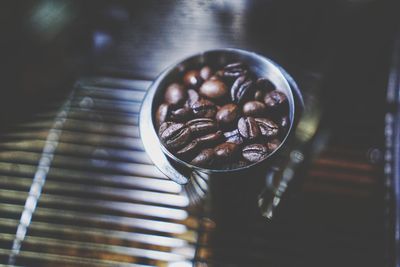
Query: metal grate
<point x="100" y="201"/>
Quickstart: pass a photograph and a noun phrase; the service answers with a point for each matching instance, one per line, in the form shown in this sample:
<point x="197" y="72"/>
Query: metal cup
<point x="225" y="194"/>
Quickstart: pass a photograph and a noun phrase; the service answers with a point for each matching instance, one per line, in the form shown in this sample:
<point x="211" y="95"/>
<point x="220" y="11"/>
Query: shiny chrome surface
<point x="103" y="203"/>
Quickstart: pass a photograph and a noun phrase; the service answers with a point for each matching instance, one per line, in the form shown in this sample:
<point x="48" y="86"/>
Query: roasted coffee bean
<point x="202" y="126"/>
<point x="226" y="151"/>
<point x="174" y="135"/>
<point x="164" y="126"/>
<point x="259" y="95"/>
<point x="192" y="79"/>
<point x="234" y="165"/>
<point x="210" y="139"/>
<point x="284" y="122"/>
<point x="162" y="114"/>
<point x="205" y="158"/>
<point x="267" y="127"/>
<point x="213" y="89"/>
<point x="235" y="65"/>
<point x="273" y="145"/>
<point x="215" y="77"/>
<point x="254" y="108"/>
<point x="248" y="128"/>
<point x="189" y="151"/>
<point x="181" y="114"/>
<point x="175" y="94"/>
<point x="275" y="99"/>
<point x="233" y="137"/>
<point x="265" y="85"/>
<point x="193" y="97"/>
<point x="254" y="152"/>
<point x="236" y="86"/>
<point x="241" y="88"/>
<point x="206" y="73"/>
<point x="228" y="114"/>
<point x="234" y="70"/>
<point x="204" y="108"/>
<point x="208" y="118"/>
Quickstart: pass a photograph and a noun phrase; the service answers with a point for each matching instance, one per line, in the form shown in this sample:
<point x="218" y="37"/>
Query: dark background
<point x="348" y="43"/>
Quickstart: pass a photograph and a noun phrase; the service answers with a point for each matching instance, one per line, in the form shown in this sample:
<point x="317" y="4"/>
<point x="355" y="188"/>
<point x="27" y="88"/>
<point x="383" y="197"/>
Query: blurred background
<point x="77" y="189"/>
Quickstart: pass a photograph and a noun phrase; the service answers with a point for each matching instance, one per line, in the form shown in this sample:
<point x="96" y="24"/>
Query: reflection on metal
<point x="392" y="161"/>
<point x="101" y="40"/>
<point x="39" y="178"/>
<point x="304" y="133"/>
<point x="103" y="203"/>
<point x="181" y="264"/>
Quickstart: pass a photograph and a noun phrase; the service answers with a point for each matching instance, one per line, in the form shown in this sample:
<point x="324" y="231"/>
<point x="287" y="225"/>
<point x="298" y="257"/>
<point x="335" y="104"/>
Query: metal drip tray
<point x="77" y="189"/>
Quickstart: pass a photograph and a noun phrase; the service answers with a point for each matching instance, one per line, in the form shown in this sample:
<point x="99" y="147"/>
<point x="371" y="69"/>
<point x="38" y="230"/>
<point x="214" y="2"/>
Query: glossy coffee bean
<point x="164" y="126"/>
<point x="254" y="108"/>
<point x="265" y="85"/>
<point x="210" y="139"/>
<point x="175" y="94"/>
<point x="191" y="121"/>
<point x="193" y="97"/>
<point x="217" y="76"/>
<point x="168" y="129"/>
<point x="192" y="79"/>
<point x="274" y="99"/>
<point x="234" y="165"/>
<point x="228" y="114"/>
<point x="189" y="151"/>
<point x="259" y="95"/>
<point x="248" y="128"/>
<point x="174" y="135"/>
<point x="284" y="122"/>
<point x="206" y="73"/>
<point x="235" y="87"/>
<point x="267" y="127"/>
<point x="241" y="89"/>
<point x="205" y="158"/>
<point x="235" y="65"/>
<point x="213" y="89"/>
<point x="273" y="145"/>
<point x="162" y="114"/>
<point x="226" y="151"/>
<point x="201" y="126"/>
<point x="181" y="114"/>
<point x="254" y="152"/>
<point x="234" y="70"/>
<point x="204" y="108"/>
<point x="233" y="137"/>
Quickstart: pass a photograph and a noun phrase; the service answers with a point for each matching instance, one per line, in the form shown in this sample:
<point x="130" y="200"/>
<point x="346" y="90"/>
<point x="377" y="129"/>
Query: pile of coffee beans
<point x="222" y="119"/>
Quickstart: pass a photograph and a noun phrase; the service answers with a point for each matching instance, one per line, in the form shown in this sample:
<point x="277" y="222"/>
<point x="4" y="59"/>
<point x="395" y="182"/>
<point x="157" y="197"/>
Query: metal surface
<point x="104" y="204"/>
<point x="392" y="161"/>
<point x="99" y="187"/>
